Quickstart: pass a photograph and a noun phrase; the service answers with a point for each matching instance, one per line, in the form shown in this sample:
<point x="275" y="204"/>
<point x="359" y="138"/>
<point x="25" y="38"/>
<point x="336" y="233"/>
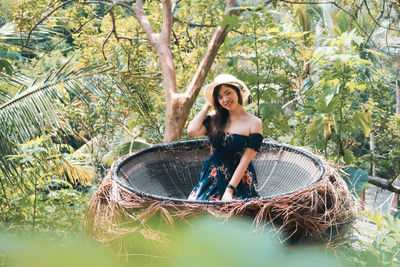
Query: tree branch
<point x="193" y="24"/>
<point x="386" y="34"/>
<point x="114" y="27"/>
<point x="167" y="21"/>
<point x="383" y="183"/>
<point x="160" y="43"/>
<point x="200" y="25"/>
<point x="104" y="43"/>
<point x="114" y="30"/>
<point x="211" y="52"/>
<point x="97" y="2"/>
<point x="376" y="21"/>
<point x="189" y="38"/>
<point x="75" y="31"/>
<point x="43" y="18"/>
<point x="308" y="3"/>
<point x="144" y="22"/>
<point x="358" y="9"/>
<point x="359" y="26"/>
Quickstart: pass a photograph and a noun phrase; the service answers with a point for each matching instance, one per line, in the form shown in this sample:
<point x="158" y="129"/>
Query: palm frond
<point x="76" y="169"/>
<point x="9" y="35"/>
<point x="14" y="84"/>
<point x="4" y="95"/>
<point x="29" y="112"/>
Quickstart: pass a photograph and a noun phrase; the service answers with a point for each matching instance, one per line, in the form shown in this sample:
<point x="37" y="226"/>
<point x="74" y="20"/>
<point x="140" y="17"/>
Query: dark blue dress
<point x="226" y="152"/>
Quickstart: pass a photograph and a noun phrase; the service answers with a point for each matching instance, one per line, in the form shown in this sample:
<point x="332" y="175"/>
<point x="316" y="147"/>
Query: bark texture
<point x="178" y="104"/>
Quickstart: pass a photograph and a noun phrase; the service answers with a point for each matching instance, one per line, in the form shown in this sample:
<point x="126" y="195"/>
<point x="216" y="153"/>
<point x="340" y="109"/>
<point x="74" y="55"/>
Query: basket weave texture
<point x="301" y="194"/>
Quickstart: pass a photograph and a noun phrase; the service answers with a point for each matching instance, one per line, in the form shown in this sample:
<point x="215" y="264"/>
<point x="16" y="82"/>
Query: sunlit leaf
<point x="362" y="119"/>
<point x="231" y="21"/>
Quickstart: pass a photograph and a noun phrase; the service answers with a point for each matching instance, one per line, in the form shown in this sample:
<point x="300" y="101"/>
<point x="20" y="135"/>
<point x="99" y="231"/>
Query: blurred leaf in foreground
<point x="234" y="243"/>
<point x="49" y="251"/>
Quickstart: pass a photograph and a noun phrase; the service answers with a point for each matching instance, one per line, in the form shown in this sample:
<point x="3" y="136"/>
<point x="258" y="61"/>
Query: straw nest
<point x="321" y="212"/>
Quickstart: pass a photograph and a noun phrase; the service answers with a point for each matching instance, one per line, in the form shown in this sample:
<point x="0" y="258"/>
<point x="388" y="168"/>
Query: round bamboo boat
<point x="301" y="194"/>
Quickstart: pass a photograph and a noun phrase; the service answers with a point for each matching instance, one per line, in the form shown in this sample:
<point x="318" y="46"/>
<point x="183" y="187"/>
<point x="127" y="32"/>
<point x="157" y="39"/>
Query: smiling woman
<point x="236" y="137"/>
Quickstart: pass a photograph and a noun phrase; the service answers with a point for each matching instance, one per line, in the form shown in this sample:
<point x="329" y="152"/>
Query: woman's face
<point x="228" y="98"/>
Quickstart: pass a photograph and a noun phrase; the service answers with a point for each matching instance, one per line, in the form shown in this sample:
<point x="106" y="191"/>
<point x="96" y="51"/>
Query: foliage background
<point x="87" y="89"/>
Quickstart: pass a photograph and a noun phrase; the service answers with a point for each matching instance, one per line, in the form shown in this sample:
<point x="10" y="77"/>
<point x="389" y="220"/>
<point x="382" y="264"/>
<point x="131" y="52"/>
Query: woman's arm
<point x="248" y="155"/>
<point x="196" y="127"/>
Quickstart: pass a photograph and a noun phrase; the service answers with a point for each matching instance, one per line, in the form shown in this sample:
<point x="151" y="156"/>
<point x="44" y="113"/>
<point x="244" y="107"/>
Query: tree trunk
<point x="396" y="200"/>
<point x="177" y="113"/>
<point x="179" y="105"/>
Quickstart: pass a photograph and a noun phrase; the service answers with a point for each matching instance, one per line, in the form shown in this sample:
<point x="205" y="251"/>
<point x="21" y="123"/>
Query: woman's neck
<point x="237" y="112"/>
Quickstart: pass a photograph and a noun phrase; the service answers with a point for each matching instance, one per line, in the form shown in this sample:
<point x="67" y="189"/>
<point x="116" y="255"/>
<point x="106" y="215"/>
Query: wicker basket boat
<point x="301" y="194"/>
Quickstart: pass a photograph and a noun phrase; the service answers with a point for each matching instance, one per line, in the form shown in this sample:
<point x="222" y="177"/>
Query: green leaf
<point x="328" y="98"/>
<point x="363" y="120"/>
<point x="220" y="243"/>
<point x="28" y="113"/>
<point x="315" y="127"/>
<point x="254" y="59"/>
<point x="272" y="112"/>
<point x="356" y="86"/>
<point x="348" y="156"/>
<point x="356" y="179"/>
<point x="273" y="30"/>
<point x="231" y="21"/>
<point x="14" y="56"/>
<point x="43" y="249"/>
<point x="298" y="34"/>
<point x="233" y="61"/>
<point x="236" y="39"/>
<point x="125" y="147"/>
<point x="3" y="52"/>
<point x="333" y="104"/>
<point x="4" y="64"/>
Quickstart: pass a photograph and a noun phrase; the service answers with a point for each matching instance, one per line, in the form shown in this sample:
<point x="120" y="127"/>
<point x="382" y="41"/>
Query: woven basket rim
<point x="202" y="142"/>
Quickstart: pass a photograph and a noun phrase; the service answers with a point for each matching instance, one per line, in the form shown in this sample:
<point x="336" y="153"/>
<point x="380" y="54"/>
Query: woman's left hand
<point x="228" y="195"/>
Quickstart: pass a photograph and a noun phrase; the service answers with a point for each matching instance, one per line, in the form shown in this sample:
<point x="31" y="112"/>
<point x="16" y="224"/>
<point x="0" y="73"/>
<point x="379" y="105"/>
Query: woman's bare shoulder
<point x="256" y="124"/>
<point x="253" y="119"/>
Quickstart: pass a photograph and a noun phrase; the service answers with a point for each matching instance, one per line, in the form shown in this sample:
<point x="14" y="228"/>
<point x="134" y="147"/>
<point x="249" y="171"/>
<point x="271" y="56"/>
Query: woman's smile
<point x="227" y="97"/>
<point x="228" y="103"/>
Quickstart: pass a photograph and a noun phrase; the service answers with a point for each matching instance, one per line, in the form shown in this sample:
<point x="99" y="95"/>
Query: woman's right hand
<point x="207" y="106"/>
<point x="196" y="127"/>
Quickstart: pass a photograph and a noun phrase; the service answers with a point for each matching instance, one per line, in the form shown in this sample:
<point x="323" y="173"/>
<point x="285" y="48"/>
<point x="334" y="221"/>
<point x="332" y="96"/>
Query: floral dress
<point x="226" y="152"/>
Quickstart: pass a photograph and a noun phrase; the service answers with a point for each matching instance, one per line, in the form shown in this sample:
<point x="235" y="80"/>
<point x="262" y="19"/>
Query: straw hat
<point x="225" y="79"/>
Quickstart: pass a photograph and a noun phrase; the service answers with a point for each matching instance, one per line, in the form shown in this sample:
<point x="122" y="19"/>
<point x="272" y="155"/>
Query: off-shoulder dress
<point x="226" y="152"/>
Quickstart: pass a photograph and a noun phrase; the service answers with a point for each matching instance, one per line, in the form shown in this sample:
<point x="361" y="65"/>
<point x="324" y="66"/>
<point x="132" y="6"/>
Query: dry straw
<point x="322" y="211"/>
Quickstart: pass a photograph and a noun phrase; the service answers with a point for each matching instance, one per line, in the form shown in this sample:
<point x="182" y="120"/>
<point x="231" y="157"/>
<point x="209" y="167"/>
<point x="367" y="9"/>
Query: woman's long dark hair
<point x="219" y="121"/>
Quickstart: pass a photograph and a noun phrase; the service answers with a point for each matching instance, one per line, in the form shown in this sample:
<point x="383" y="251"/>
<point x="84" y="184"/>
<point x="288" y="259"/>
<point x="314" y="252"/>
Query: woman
<point x="236" y="137"/>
